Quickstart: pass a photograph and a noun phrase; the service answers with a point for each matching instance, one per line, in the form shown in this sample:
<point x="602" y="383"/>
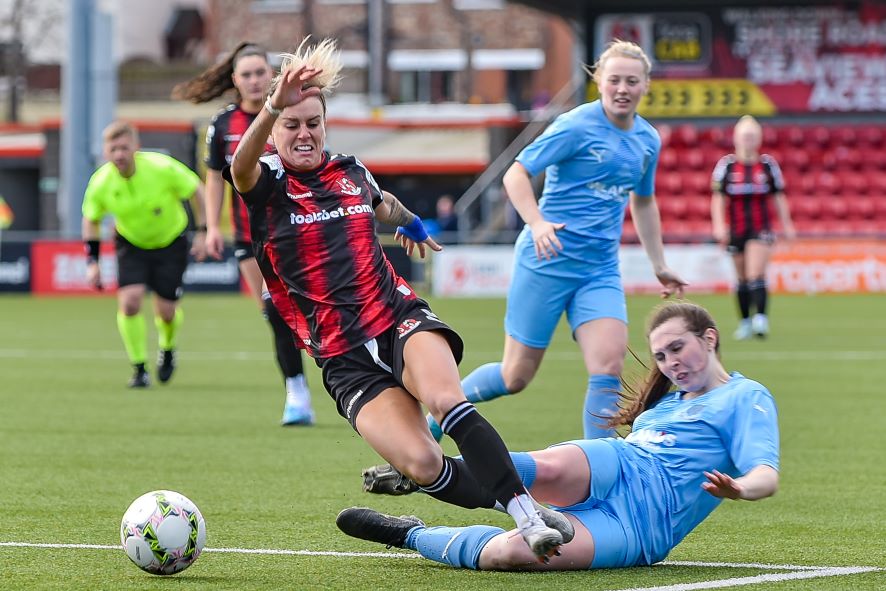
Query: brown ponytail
<point x="217" y="79"/>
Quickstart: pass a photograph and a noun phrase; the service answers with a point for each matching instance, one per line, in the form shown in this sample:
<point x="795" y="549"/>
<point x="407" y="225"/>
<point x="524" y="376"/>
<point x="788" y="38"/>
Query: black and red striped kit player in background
<point x="246" y="70"/>
<point x="381" y="349"/>
<point x="744" y="185"/>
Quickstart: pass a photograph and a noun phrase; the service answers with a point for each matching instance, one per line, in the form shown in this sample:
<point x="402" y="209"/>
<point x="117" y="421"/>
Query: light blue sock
<point x="481" y="385"/>
<point x="484" y="383"/>
<point x="600" y="400"/>
<point x="525" y="465"/>
<point x="456" y="546"/>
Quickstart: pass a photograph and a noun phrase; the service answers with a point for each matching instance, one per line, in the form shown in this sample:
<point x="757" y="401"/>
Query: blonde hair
<point x="748" y="120"/>
<point x="322" y="56"/>
<point x="618" y="48"/>
<point x="118" y="129"/>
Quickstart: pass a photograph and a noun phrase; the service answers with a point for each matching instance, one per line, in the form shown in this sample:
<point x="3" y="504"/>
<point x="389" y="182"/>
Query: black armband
<point x="201" y="228"/>
<point x="92" y="250"/>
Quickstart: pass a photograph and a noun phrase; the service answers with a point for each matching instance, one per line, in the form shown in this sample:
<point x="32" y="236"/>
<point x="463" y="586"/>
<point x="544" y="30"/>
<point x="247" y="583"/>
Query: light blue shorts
<point x="536" y="300"/>
<point x="607" y="513"/>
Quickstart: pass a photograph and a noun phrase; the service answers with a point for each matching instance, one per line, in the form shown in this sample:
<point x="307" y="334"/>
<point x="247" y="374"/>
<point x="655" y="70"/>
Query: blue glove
<point x="415" y="230"/>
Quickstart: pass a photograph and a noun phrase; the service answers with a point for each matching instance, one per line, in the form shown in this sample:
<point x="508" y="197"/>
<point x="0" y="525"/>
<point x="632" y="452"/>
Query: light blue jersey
<point x="591" y="167"/>
<point x="732" y="428"/>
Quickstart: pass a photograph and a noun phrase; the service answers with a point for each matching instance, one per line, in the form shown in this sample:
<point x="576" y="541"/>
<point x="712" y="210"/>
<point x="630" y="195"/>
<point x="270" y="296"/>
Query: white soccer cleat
<point x="744" y="331"/>
<point x="541" y="539"/>
<point x="760" y="325"/>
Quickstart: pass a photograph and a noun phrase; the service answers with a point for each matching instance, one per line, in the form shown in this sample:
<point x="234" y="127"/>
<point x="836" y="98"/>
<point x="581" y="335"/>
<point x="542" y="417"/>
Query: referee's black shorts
<point x="356" y="377"/>
<point x="161" y="269"/>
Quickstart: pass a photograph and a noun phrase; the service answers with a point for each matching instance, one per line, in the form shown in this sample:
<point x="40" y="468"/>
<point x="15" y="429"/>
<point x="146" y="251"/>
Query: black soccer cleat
<point x="384" y="479"/>
<point x="369" y="524"/>
<point x="139" y="379"/>
<point x="165" y="364"/>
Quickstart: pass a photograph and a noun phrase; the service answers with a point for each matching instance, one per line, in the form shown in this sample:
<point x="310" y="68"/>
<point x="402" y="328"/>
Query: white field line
<point x="798" y="572"/>
<point x="250" y="356"/>
<point x="224" y="550"/>
<point x="836" y="571"/>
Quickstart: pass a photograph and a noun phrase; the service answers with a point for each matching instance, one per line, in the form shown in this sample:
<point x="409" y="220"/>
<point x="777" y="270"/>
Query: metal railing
<point x="486" y="192"/>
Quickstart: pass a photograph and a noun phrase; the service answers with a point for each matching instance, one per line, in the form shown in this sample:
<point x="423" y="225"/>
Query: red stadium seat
<point x="686" y="135"/>
<point x="805" y="208"/>
<point x="818" y="135"/>
<point x="807" y="186"/>
<point x="629" y="233"/>
<point x="674" y="207"/>
<point x="699" y="230"/>
<point x="719" y="138"/>
<point x="838" y="228"/>
<point x="845" y="136"/>
<point x="810" y="228"/>
<point x="792" y="135"/>
<point x="880" y="207"/>
<point x="873" y="159"/>
<point x="834" y="208"/>
<point x="665" y="131"/>
<point x="669" y="184"/>
<point x="667" y="160"/>
<point x="861" y="208"/>
<point x="867" y="228"/>
<point x="770" y="137"/>
<point x="848" y="157"/>
<point x="697" y="182"/>
<point x="871" y="136"/>
<point x="694" y="159"/>
<point x="826" y="184"/>
<point x="796" y="160"/>
<point x="700" y="207"/>
<point x="853" y="183"/>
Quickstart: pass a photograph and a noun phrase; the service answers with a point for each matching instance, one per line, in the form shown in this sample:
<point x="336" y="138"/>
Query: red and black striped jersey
<point x="748" y="188"/>
<point x="222" y="138"/>
<point x="313" y="234"/>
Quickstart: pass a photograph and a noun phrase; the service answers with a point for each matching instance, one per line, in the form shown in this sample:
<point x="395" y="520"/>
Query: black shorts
<point x="243" y="251"/>
<point x="356" y="377"/>
<point x="737" y="243"/>
<point x="161" y="269"/>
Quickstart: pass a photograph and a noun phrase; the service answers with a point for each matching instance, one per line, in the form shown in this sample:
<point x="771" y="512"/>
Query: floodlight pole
<point x="89" y="95"/>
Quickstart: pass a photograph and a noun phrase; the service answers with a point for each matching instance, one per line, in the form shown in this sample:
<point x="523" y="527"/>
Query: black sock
<point x="744" y="299"/>
<point x="457" y="486"/>
<point x="759" y="294"/>
<point x="483" y="451"/>
<point x="140" y="367"/>
<point x="288" y="355"/>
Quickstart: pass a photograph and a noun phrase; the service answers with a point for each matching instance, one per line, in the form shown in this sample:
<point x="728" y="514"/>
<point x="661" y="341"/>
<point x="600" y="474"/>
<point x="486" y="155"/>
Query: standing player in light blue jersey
<point x="631" y="500"/>
<point x="597" y="158"/>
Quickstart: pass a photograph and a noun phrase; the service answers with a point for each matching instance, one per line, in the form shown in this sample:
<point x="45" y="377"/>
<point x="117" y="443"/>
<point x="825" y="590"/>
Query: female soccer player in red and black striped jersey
<point x="247" y="70"/>
<point x="381" y="349"/>
<point x="744" y="184"/>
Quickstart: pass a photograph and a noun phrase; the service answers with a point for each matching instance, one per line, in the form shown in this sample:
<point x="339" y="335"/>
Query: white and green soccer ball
<point x="163" y="532"/>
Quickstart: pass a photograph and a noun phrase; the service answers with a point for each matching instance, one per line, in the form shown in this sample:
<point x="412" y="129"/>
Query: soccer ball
<point x="163" y="532"/>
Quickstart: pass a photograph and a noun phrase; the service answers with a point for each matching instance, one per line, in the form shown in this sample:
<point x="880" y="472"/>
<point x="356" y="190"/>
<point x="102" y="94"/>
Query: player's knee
<point x="421" y="465"/>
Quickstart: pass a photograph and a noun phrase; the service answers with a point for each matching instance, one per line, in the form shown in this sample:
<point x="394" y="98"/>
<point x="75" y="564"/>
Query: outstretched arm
<point x="245" y="169"/>
<point x="760" y="482"/>
<point x="647" y="220"/>
<point x="410" y="231"/>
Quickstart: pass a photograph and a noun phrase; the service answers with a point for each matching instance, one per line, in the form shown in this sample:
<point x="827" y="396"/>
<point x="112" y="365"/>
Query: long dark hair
<point x="217" y="79"/>
<point x="639" y="397"/>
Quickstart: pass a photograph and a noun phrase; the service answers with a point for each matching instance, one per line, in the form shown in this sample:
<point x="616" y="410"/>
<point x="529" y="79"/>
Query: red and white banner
<point x="825" y="266"/>
<point x="822" y="266"/>
<point x="60" y="267"/>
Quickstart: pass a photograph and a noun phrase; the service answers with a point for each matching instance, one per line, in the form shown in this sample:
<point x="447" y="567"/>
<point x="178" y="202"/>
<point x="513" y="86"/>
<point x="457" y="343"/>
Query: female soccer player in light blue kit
<point x="631" y="500"/>
<point x="598" y="158"/>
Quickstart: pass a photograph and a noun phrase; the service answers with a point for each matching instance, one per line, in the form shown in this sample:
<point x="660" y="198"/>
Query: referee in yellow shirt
<point x="145" y="192"/>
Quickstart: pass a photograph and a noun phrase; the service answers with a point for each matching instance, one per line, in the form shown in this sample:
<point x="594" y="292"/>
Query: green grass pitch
<point x="76" y="447"/>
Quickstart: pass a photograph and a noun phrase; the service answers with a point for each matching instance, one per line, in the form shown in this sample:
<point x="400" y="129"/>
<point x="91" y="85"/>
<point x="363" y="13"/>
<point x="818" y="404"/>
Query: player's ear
<point x="711" y="336"/>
